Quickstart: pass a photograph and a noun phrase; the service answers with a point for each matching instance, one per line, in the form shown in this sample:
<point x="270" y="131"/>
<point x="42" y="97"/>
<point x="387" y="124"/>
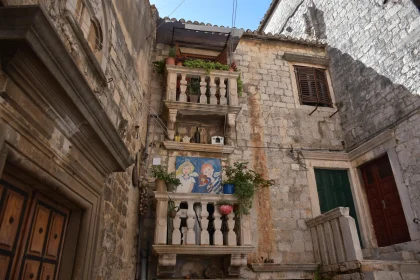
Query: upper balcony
<point x="193" y="94"/>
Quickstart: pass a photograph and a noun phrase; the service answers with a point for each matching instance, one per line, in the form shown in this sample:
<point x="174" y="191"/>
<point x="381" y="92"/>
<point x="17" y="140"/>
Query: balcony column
<point x="190" y="239"/>
<point x="231" y="238"/>
<point x="176" y="233"/>
<point x="171" y="86"/>
<point x="213" y="89"/>
<point x="222" y="90"/>
<point x="183" y="88"/>
<point x="218" y="236"/>
<point x="161" y="222"/>
<point x="203" y="89"/>
<point x="205" y="238"/>
<point x="231" y="120"/>
<point x="246" y="239"/>
<point x="233" y="92"/>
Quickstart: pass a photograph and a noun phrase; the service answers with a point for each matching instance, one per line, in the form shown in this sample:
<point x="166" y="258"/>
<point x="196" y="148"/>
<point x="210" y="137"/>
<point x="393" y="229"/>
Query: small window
<point x="313" y="86"/>
<point x="95" y="36"/>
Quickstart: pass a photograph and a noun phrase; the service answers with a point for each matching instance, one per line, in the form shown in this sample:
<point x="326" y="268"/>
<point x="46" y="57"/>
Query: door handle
<point x="383" y="204"/>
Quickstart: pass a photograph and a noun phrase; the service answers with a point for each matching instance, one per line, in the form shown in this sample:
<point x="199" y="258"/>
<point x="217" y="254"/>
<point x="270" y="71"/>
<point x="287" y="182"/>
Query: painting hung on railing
<point x="199" y="175"/>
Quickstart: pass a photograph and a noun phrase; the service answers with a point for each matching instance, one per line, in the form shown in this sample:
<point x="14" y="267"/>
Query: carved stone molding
<point x="292" y="57"/>
<point x="207" y="148"/>
<point x="277" y="267"/>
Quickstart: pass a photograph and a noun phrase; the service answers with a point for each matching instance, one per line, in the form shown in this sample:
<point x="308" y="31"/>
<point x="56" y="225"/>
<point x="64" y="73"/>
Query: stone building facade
<point x="75" y="87"/>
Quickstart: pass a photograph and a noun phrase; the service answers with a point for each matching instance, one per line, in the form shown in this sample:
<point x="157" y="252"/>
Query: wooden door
<point x="334" y="191"/>
<point x="32" y="231"/>
<point x="384" y="203"/>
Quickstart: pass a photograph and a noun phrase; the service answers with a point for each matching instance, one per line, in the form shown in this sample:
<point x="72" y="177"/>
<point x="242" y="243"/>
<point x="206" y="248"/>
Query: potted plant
<point x="172" y="209"/>
<point x="170" y="60"/>
<point x="194" y="89"/>
<point x="172" y="182"/>
<point x="228" y="187"/>
<point x="246" y="182"/>
<point x="225" y="206"/>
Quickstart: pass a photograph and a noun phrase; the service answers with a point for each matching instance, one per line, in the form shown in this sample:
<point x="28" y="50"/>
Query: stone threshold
<point x="278" y="267"/>
<point x="207" y="148"/>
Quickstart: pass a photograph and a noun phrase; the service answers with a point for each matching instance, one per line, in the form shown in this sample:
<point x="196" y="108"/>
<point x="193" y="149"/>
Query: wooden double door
<point x="384" y="202"/>
<point x="32" y="232"/>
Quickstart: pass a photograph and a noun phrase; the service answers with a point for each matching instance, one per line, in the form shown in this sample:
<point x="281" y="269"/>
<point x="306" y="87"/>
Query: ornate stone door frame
<point x="384" y="143"/>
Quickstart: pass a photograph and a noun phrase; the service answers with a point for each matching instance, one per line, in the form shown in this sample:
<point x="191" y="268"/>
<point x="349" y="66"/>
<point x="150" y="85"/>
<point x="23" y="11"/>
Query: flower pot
<point x="172" y="213"/>
<point x="160" y="185"/>
<point x="179" y="63"/>
<point x="231" y="69"/>
<point x="193" y="98"/>
<point x="171" y="187"/>
<point x="228" y="188"/>
<point x="170" y="60"/>
<point x="225" y="209"/>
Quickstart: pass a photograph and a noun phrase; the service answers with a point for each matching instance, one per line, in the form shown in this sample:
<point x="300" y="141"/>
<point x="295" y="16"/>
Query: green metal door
<point x="334" y="191"/>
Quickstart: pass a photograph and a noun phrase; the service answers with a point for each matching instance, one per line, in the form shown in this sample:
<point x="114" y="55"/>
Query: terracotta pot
<point x="231" y="69"/>
<point x="225" y="209"/>
<point x="171" y="187"/>
<point x="170" y="60"/>
<point x="172" y="213"/>
<point x="193" y="98"/>
<point x="160" y="185"/>
<point x="179" y="63"/>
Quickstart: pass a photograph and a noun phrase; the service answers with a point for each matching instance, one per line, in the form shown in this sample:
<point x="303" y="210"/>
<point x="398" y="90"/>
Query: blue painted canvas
<point x="199" y="175"/>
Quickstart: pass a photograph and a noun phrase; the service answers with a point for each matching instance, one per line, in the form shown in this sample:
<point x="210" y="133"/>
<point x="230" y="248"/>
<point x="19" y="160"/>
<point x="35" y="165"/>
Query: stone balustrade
<point x="199" y="229"/>
<point x="334" y="237"/>
<point x="201" y="226"/>
<point x="222" y="85"/>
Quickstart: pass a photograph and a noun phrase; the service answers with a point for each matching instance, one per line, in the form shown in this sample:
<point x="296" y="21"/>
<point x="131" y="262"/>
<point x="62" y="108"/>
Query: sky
<point x="217" y="12"/>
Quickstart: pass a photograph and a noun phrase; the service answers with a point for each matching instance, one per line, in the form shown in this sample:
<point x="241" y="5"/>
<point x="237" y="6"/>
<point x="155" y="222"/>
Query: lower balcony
<point x="199" y="229"/>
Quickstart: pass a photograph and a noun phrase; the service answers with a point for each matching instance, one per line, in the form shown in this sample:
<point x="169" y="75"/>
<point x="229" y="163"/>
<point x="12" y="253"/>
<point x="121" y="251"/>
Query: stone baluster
<point x="231" y="238"/>
<point x="233" y="92"/>
<point x="176" y="233"/>
<point x="190" y="240"/>
<point x="171" y="86"/>
<point x="161" y="222"/>
<point x="218" y="236"/>
<point x="205" y="238"/>
<point x="183" y="88"/>
<point x="203" y="89"/>
<point x="213" y="89"/>
<point x="222" y="90"/>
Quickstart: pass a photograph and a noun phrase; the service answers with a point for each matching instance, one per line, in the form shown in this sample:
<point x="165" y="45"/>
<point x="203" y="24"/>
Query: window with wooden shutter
<point x="313" y="86"/>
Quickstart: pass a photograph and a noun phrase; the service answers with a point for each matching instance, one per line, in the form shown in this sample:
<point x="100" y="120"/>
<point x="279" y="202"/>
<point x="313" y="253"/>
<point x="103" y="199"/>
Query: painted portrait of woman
<point x="185" y="173"/>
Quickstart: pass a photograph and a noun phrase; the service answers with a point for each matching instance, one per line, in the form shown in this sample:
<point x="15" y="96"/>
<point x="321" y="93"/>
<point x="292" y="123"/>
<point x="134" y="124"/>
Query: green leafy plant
<point x="172" y="179"/>
<point x="159" y="66"/>
<point x="172" y="52"/>
<point x="240" y="85"/>
<point x="194" y="86"/>
<point x="246" y="182"/>
<point x="206" y="65"/>
<point x="159" y="172"/>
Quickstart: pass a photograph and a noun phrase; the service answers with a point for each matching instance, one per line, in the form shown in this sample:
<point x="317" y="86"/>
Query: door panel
<point x="39" y="230"/>
<point x="13" y="208"/>
<point x="384" y="203"/>
<point x="334" y="191"/>
<point x="48" y="271"/>
<point x="54" y="239"/>
<point x="30" y="270"/>
<point x="4" y="265"/>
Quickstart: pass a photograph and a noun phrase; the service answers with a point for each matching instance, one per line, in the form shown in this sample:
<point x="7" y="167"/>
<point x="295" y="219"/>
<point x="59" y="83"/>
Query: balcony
<point x="217" y="102"/>
<point x="199" y="229"/>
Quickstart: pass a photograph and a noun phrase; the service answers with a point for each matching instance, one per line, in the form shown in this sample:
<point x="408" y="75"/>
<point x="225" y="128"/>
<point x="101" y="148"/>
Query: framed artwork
<point x="199" y="175"/>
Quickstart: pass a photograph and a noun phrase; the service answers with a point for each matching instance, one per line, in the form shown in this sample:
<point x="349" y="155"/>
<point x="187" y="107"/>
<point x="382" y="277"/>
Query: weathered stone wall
<point x="374" y="68"/>
<point x="269" y="124"/>
<point x="382" y="36"/>
<point x="127" y="56"/>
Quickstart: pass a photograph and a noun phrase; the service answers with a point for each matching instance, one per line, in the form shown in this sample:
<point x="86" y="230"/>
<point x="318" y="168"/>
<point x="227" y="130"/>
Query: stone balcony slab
<point x="207" y="148"/>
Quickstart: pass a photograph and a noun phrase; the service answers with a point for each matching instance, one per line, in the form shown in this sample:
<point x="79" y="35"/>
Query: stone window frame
<point x="295" y="88"/>
<point x="383" y="144"/>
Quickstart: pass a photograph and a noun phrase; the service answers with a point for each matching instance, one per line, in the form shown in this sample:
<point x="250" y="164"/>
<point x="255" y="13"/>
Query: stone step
<point x="397" y="256"/>
<point x="386" y="265"/>
<point x="411" y="246"/>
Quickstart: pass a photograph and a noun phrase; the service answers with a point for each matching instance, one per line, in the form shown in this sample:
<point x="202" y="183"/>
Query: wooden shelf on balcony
<point x="207" y="148"/>
<point x="201" y="249"/>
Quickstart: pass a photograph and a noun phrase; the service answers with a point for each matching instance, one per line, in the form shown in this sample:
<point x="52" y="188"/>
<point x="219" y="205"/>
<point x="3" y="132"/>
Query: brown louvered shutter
<point x="313" y="86"/>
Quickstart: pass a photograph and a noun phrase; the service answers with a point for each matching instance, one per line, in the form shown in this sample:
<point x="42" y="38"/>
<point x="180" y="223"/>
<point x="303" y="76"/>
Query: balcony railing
<point x="199" y="222"/>
<point x="334" y="237"/>
<point x="217" y="87"/>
